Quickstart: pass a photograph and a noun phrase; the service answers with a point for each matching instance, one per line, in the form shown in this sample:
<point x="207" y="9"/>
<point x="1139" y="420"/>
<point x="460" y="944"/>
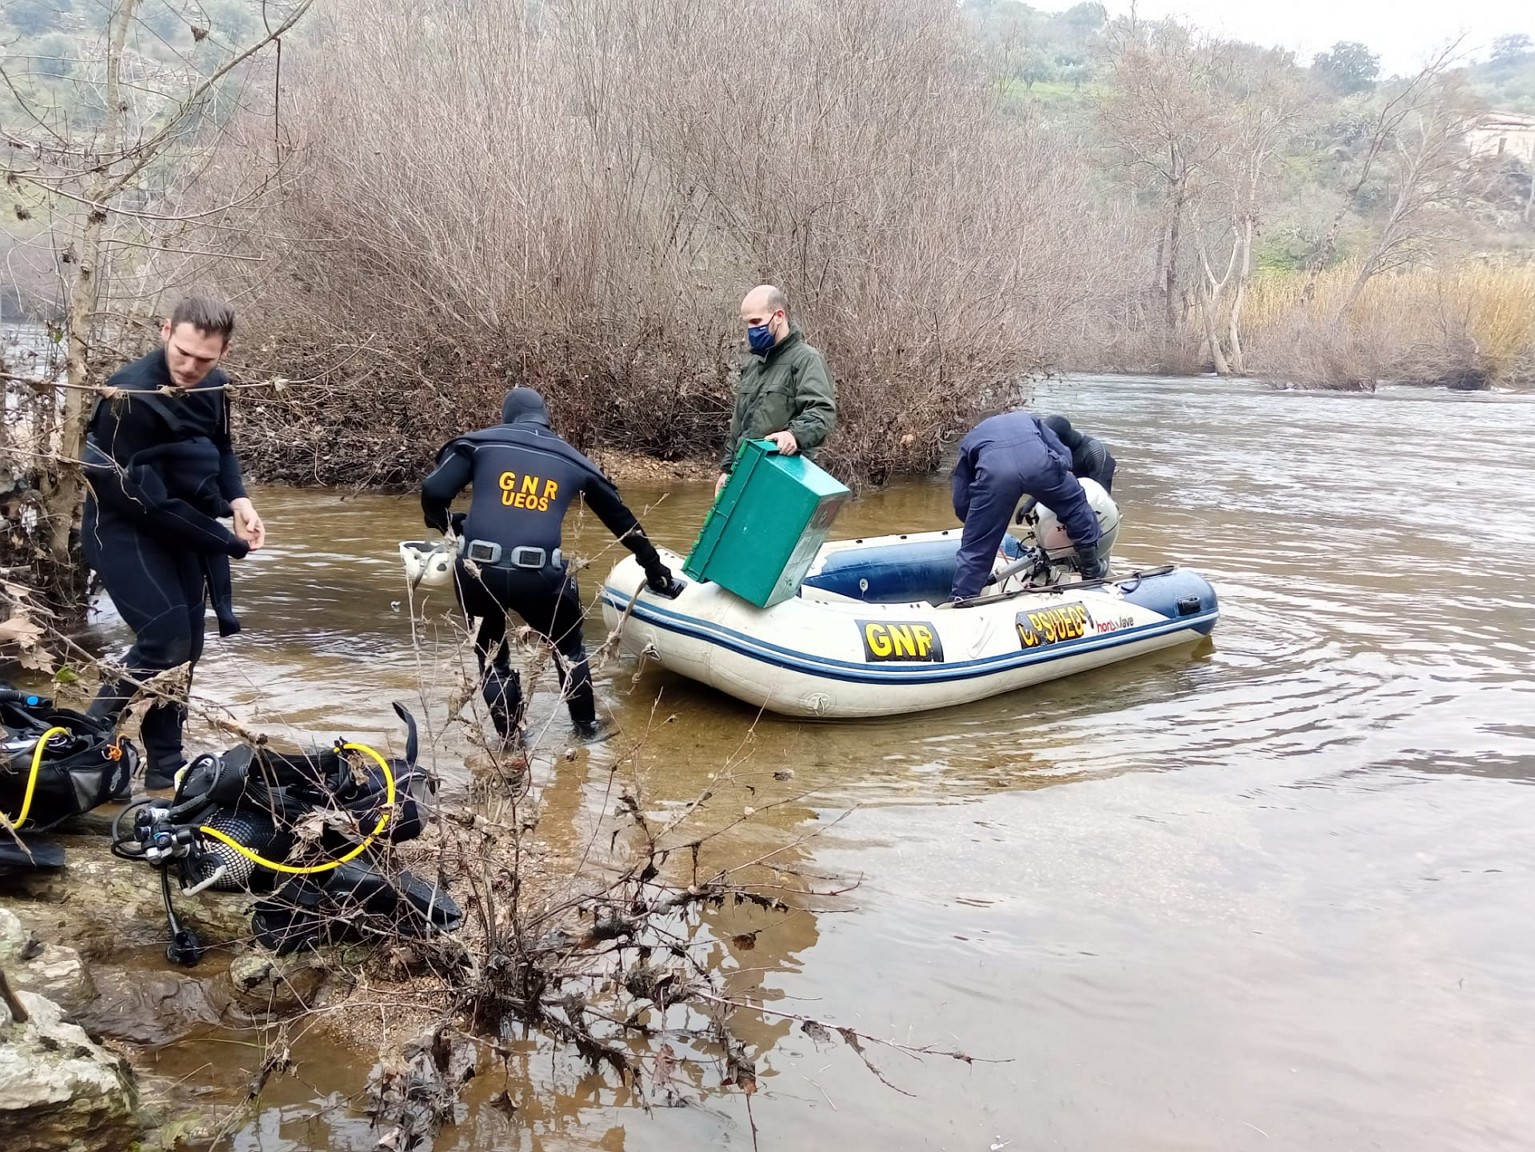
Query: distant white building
<point x="1503" y="134"/>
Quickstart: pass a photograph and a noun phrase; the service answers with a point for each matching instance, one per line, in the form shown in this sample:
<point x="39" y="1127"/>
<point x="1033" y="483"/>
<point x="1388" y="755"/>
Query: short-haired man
<point x="161" y="473"/>
<point x="785" y="393"/>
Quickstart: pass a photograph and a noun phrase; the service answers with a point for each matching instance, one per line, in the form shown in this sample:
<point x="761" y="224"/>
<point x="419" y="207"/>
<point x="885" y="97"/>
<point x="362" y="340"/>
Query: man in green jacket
<point x="785" y="393"/>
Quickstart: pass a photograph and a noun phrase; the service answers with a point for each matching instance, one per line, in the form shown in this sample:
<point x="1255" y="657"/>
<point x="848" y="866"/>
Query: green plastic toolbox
<point x="766" y="526"/>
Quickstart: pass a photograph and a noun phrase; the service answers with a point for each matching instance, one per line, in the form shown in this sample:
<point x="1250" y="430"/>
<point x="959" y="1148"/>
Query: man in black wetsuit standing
<point x="161" y="470"/>
<point x="525" y="478"/>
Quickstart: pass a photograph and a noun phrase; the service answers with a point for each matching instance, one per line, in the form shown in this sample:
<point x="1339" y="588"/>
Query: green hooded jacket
<point x="788" y="388"/>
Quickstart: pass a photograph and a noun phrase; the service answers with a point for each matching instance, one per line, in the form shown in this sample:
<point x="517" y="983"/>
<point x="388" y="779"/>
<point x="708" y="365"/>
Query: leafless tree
<point x="1265" y="102"/>
<point x="578" y="197"/>
<point x="1430" y="176"/>
<point x="1205" y="120"/>
<point x="114" y="194"/>
<point x="1165" y="113"/>
<point x="1397" y="111"/>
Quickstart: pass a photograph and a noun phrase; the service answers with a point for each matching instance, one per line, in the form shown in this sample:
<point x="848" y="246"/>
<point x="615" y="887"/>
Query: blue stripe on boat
<point x="859" y="673"/>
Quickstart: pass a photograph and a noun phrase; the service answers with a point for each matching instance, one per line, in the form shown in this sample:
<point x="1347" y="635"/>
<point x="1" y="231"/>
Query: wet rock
<point x="266" y="985"/>
<point x="102" y="905"/>
<point x="46" y="969"/>
<point x="172" y="1124"/>
<point x="59" y="1092"/>
<point x="154" y="1007"/>
<point x="1467" y="380"/>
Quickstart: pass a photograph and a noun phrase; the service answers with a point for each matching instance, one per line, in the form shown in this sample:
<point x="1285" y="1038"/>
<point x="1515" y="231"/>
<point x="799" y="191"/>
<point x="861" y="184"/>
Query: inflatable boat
<point x="871" y="633"/>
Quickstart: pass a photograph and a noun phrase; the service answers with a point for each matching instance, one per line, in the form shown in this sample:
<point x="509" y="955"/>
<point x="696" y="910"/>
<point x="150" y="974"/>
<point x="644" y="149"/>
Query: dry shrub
<point x="576" y="197"/>
<point x="1470" y="326"/>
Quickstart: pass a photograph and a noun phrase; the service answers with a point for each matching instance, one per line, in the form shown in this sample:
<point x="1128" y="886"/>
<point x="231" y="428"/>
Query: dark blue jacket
<point x="525" y="478"/>
<point x="1002" y="459"/>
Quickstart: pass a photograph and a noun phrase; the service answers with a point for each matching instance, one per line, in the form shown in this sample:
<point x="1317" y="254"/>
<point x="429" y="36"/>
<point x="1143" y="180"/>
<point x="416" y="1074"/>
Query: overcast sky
<point x="1401" y="31"/>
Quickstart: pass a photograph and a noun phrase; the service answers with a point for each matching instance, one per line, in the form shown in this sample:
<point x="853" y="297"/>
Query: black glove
<point x="661" y="581"/>
<point x="1027" y="505"/>
<point x="456" y="523"/>
<point x="1090" y="565"/>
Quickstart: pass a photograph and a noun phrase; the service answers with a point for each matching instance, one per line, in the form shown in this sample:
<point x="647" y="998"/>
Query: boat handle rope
<point x="311" y="869"/>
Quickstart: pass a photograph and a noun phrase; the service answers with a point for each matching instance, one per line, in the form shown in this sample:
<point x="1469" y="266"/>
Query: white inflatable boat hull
<point x="828" y="654"/>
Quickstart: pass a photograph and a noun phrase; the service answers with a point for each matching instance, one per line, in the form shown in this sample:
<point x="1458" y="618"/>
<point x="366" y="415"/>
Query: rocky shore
<point x="82" y="950"/>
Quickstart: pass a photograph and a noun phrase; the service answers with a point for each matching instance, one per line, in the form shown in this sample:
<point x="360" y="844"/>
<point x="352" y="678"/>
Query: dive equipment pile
<point x="318" y="823"/>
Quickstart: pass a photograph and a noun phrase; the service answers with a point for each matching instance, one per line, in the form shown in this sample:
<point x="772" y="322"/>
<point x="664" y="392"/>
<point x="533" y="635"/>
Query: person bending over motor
<point x="1090" y="457"/>
<point x="1000" y="460"/>
<point x="524" y="479"/>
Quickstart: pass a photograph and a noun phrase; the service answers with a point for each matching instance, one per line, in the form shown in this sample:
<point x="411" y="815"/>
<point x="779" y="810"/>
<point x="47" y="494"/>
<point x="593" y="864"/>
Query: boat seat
<point x="891" y="573"/>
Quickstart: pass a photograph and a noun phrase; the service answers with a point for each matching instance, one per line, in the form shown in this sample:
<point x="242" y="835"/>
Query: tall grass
<point x="1467" y="326"/>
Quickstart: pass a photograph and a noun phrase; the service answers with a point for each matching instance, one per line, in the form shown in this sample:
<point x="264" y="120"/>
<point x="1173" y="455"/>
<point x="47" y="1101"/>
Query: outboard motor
<point x="1049" y="534"/>
<point x="1038" y="550"/>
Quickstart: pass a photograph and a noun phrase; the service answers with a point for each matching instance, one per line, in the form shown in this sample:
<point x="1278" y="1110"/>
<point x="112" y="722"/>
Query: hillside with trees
<point x="417" y="204"/>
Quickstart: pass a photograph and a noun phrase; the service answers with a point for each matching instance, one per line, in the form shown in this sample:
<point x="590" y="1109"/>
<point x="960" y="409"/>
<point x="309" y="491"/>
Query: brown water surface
<point x="1273" y="894"/>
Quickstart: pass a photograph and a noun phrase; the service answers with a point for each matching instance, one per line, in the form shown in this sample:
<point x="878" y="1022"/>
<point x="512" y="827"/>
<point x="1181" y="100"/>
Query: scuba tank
<point x="236" y="820"/>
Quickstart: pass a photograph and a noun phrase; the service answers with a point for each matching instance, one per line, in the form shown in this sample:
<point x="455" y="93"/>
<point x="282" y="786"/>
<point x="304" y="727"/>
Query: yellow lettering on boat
<point x="904" y="640"/>
<point x="1052" y="625"/>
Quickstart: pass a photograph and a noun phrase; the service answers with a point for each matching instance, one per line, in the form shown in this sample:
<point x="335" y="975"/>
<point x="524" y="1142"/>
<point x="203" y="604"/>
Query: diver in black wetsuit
<point x="1090" y="457"/>
<point x="161" y="470"/>
<point x="524" y="480"/>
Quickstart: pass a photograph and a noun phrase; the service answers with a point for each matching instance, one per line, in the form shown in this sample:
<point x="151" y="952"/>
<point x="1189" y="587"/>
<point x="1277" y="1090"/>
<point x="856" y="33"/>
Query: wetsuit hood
<point x="1063" y="430"/>
<point x="524" y="406"/>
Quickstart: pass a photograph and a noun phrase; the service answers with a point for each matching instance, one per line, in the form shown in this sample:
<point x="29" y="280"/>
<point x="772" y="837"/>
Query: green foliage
<point x="1347" y="67"/>
<point x="50" y="52"/>
<point x="1038" y="65"/>
<point x="1507" y="81"/>
<point x="37" y="17"/>
<point x="1090" y="17"/>
<point x="1276" y="255"/>
<point x="1042" y="49"/>
<point x="1517" y="44"/>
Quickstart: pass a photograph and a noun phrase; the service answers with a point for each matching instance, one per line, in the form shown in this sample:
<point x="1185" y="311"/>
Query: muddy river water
<point x="1273" y="893"/>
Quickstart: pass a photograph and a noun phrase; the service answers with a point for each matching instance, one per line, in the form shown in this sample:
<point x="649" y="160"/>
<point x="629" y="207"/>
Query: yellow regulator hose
<point x="37" y="766"/>
<point x="310" y="869"/>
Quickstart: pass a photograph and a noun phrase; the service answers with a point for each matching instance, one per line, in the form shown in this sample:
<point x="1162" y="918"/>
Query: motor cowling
<point x="1049" y="534"/>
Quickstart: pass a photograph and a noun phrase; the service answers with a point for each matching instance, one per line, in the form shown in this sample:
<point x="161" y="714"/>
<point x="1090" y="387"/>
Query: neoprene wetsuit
<point x="160" y="469"/>
<point x="1090" y="457"/>
<point x="525" y="478"/>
